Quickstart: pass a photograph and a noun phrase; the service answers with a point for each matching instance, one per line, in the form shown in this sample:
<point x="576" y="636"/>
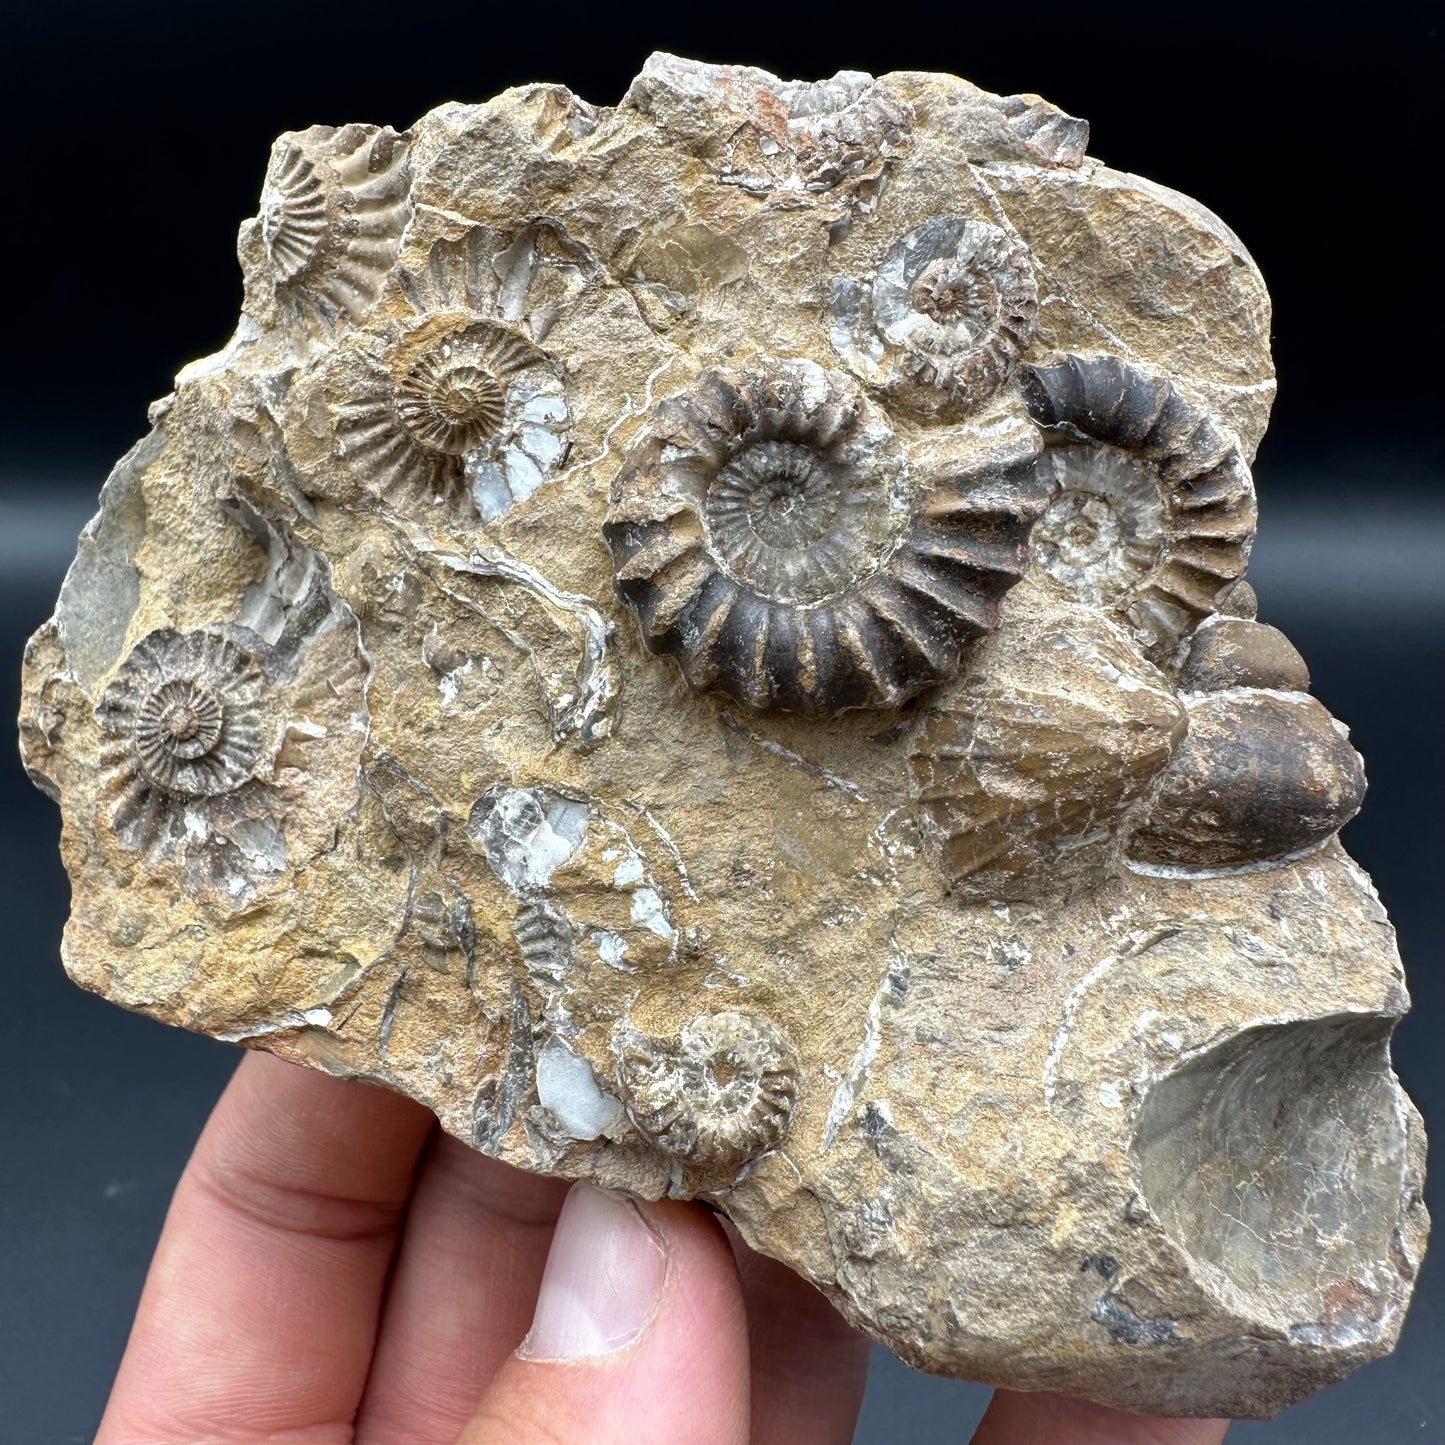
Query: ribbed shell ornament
<point x="768" y="533"/>
<point x="182" y="721"/>
<point x="457" y="407"/>
<point x="719" y="1094"/>
<point x="1153" y="513"/>
<point x="945" y="321"/>
<point x="333" y="208"/>
<point x="771" y="535"/>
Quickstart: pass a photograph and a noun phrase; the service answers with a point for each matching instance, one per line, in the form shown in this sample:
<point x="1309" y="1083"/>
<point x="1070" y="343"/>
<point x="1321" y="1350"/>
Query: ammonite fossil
<point x="946" y="319"/>
<point x="686" y="760"/>
<point x="807" y="99"/>
<point x="460" y="407"/>
<point x="837" y="129"/>
<point x="1154" y="511"/>
<point x="1261" y="776"/>
<point x="766" y="531"/>
<point x="454" y="391"/>
<point x="333" y="208"/>
<point x="1106" y="527"/>
<point x="182" y="720"/>
<point x="719" y="1094"/>
<point x="1031" y="767"/>
<point x="793" y="136"/>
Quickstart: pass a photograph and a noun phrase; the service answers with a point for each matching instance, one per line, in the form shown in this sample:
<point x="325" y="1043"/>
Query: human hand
<point x="335" y="1271"/>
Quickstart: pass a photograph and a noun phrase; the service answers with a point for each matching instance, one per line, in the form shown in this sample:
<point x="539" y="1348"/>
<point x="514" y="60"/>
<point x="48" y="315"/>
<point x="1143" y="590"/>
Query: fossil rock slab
<point x="706" y="641"/>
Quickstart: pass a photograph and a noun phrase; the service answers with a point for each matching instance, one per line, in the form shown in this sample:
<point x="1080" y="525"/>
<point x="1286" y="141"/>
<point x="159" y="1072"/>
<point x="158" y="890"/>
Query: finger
<point x="1015" y="1418"/>
<point x="639" y="1336"/>
<point x="809" y="1366"/>
<point x="461" y="1296"/>
<point x="260" y="1308"/>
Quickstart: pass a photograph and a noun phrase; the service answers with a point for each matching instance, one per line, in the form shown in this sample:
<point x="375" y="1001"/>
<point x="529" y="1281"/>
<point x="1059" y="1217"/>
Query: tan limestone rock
<point x="679" y="636"/>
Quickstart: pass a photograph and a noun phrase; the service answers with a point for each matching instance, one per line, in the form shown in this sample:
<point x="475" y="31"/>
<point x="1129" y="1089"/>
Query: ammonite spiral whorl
<point x="944" y="322"/>
<point x="1153" y="512"/>
<point x="767" y="532"/>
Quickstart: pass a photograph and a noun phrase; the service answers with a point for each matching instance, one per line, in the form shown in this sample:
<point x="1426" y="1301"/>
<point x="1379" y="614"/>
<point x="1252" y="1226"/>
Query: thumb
<point x="639" y="1335"/>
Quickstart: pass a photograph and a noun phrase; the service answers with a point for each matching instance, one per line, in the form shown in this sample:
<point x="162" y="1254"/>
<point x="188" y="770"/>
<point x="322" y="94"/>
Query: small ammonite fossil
<point x="453" y="399"/>
<point x="181" y="720"/>
<point x="457" y="406"/>
<point x="945" y="321"/>
<point x="1153" y="511"/>
<point x="765" y="530"/>
<point x="719" y="1094"/>
<point x="333" y="208"/>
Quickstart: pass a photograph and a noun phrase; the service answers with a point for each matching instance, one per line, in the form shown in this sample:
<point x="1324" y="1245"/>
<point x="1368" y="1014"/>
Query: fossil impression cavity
<point x="706" y="641"/>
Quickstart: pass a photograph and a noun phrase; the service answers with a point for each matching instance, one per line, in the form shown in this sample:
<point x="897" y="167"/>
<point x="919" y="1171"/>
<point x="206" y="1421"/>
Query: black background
<point x="135" y="138"/>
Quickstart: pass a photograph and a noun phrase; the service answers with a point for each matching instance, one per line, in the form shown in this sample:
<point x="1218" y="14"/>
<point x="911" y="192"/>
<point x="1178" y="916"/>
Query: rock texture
<point x="705" y="641"/>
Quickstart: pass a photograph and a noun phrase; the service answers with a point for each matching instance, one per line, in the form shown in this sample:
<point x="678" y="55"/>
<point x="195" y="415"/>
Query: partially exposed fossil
<point x="706" y="641"/>
<point x="1235" y="652"/>
<point x="718" y="1096"/>
<point x="1154" y="514"/>
<point x="1031" y="770"/>
<point x="1261" y="775"/>
<point x="332" y="214"/>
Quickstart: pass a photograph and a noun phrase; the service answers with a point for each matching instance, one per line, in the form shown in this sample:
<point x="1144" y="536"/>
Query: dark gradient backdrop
<point x="135" y="140"/>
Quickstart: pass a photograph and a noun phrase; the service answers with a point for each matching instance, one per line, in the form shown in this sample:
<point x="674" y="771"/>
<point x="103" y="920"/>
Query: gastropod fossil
<point x="1261" y="776"/>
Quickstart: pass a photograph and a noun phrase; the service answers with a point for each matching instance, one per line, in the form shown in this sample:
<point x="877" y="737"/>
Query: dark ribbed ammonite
<point x="771" y="535"/>
<point x="1153" y="510"/>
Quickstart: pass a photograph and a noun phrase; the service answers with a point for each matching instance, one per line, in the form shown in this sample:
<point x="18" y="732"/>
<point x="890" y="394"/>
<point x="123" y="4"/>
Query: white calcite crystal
<point x="706" y="642"/>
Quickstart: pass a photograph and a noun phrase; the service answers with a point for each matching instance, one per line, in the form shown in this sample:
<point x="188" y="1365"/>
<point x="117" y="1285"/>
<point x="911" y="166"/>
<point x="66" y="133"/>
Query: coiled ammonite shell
<point x="333" y="208"/>
<point x="182" y="720"/>
<point x="1154" y="510"/>
<point x="949" y="314"/>
<point x="765" y="531"/>
<point x="719" y="1094"/>
<point x="449" y="395"/>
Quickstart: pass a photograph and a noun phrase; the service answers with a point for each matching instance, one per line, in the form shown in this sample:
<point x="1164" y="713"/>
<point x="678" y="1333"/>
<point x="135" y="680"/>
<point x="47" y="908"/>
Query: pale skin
<point x="335" y="1271"/>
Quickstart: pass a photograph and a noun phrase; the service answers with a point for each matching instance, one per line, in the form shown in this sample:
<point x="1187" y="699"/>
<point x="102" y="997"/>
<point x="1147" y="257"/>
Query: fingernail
<point x="602" y="1281"/>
